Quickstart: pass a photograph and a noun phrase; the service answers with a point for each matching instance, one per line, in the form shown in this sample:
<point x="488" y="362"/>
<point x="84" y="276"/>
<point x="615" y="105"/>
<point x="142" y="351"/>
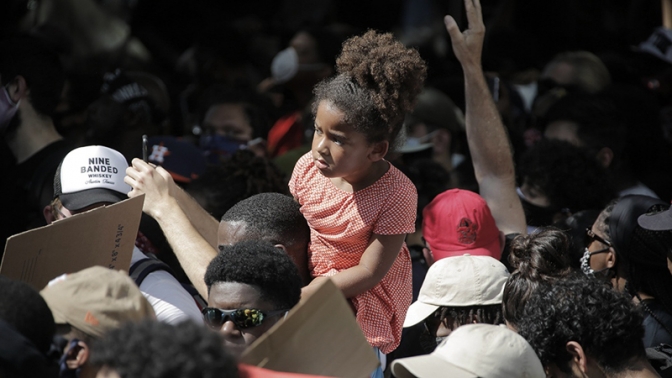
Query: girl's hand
<point x="467" y="45"/>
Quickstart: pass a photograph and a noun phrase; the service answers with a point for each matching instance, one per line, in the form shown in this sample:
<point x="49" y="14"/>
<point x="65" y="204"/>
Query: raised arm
<point x="488" y="141"/>
<point x="193" y="252"/>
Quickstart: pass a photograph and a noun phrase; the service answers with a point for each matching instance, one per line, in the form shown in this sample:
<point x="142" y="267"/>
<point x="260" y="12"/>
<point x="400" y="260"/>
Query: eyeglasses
<point x="591" y="237"/>
<point x="241" y="317"/>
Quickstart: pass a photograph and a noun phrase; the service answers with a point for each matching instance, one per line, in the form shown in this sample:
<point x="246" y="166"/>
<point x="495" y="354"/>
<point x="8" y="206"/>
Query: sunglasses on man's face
<point x="241" y="317"/>
<point x="591" y="237"/>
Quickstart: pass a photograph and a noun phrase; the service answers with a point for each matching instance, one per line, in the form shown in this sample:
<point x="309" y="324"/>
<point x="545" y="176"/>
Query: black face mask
<point x="536" y="215"/>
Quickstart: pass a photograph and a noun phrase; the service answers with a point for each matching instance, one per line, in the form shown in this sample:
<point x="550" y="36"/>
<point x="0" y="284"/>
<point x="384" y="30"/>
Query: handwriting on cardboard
<point x="104" y="236"/>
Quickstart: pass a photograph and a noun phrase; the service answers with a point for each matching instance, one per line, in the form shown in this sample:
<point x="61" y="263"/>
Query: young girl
<point x="358" y="206"/>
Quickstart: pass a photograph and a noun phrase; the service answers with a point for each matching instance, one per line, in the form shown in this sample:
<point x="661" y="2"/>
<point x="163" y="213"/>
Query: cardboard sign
<point x="319" y="336"/>
<point x="103" y="236"/>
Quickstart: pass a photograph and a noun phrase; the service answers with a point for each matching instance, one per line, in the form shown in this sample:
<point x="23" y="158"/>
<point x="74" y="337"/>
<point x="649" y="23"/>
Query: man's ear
<point x="17" y="88"/>
<point x="579" y="359"/>
<point x="379" y="150"/>
<point x="605" y="156"/>
<point x="48" y="213"/>
<point x="77" y="355"/>
<point x="611" y="258"/>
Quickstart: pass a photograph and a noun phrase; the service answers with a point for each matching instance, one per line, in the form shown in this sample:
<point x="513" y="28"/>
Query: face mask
<point x="536" y="215"/>
<point x="286" y="65"/>
<point x="217" y="147"/>
<point x="602" y="274"/>
<point x="64" y="371"/>
<point x="7" y="108"/>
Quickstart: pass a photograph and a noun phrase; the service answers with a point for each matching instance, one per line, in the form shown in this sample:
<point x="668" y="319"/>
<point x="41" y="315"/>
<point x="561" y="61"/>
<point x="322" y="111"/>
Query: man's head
<point x="251" y="285"/>
<point x="32" y="75"/>
<point x="579" y="326"/>
<point x="27" y="328"/>
<point x="272" y="217"/>
<point x="87" y="177"/>
<point x="88" y="304"/>
<point x="475" y="350"/>
<point x="459" y="290"/>
<point x="152" y="349"/>
<point x="458" y="222"/>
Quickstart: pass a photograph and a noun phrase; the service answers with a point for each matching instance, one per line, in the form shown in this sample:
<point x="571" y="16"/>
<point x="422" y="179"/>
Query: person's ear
<point x="48" y="213"/>
<point x="611" y="258"/>
<point x="605" y="156"/>
<point x="579" y="358"/>
<point x="379" y="150"/>
<point x="77" y="355"/>
<point x="17" y="88"/>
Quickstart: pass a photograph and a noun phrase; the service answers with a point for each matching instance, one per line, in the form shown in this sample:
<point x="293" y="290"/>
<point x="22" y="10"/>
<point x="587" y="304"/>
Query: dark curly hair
<point x="569" y="176"/>
<point x="273" y="217"/>
<point x="152" y="349"/>
<point x="236" y="178"/>
<point x="259" y="264"/>
<point x="537" y="259"/>
<point x="377" y="84"/>
<point x="605" y="323"/>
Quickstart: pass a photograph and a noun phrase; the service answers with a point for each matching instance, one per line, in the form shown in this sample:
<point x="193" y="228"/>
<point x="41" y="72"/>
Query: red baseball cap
<point x="457" y="222"/>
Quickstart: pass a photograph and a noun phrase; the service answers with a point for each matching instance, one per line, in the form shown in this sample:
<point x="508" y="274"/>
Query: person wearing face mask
<point x="558" y="179"/>
<point x="231" y="120"/>
<point x="31" y="80"/>
<point x="309" y="58"/>
<point x="619" y="251"/>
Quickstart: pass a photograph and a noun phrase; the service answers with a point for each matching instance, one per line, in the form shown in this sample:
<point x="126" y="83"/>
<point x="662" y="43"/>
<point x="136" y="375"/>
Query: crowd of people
<point x="484" y="212"/>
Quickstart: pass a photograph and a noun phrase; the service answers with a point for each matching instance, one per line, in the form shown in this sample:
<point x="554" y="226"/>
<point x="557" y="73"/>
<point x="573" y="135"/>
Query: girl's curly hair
<point x="377" y="83"/>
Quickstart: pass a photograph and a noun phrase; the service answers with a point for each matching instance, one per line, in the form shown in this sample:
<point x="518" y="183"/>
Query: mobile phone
<point x="144" y="148"/>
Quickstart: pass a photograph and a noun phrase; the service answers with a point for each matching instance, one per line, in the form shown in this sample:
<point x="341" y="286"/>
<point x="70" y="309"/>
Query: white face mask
<point x="286" y="65"/>
<point x="7" y="108"/>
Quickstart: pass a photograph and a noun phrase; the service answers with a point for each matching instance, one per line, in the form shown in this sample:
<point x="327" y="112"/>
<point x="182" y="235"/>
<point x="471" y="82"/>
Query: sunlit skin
<point x="343" y="154"/>
<point x="235" y="295"/>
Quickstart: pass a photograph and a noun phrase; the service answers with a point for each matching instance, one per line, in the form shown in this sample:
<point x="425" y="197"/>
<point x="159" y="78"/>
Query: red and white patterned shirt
<point x="342" y="224"/>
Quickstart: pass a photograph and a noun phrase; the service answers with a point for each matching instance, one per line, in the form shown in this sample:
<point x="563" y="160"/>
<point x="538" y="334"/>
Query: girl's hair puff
<point x="378" y="82"/>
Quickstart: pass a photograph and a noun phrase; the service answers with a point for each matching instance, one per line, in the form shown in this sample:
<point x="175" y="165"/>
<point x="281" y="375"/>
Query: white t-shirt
<point x="171" y="302"/>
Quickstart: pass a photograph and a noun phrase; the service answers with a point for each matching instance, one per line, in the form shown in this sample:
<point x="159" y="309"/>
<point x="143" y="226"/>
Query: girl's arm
<point x="373" y="266"/>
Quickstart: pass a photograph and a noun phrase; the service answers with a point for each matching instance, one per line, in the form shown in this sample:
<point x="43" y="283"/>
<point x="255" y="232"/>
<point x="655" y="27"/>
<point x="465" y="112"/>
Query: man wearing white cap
<point x="475" y="350"/>
<point x="93" y="176"/>
<point x="459" y="290"/>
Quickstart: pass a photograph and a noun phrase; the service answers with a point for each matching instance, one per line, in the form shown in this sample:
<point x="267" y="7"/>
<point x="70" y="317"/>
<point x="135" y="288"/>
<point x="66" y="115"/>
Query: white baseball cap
<point x="475" y="350"/>
<point x="90" y="175"/>
<point x="459" y="281"/>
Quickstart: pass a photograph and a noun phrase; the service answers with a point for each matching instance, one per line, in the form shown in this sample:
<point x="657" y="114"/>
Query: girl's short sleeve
<point x="299" y="172"/>
<point x="400" y="209"/>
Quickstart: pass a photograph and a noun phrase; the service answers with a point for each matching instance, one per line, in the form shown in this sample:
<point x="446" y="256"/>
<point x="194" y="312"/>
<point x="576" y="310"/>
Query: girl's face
<point x="338" y="150"/>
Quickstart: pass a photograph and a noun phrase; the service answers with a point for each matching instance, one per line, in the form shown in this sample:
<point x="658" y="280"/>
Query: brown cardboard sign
<point x="103" y="236"/>
<point x="319" y="336"/>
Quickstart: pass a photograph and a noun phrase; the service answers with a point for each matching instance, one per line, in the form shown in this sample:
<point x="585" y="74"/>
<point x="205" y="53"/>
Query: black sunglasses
<point x="591" y="237"/>
<point x="241" y="317"/>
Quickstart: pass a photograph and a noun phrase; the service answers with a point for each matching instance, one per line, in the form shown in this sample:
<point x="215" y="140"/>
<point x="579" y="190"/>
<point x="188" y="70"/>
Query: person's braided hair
<point x="378" y="81"/>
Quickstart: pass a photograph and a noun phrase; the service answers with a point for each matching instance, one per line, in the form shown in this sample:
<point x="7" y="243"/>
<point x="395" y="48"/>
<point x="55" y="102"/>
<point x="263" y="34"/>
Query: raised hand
<point x="468" y="45"/>
<point x="155" y="182"/>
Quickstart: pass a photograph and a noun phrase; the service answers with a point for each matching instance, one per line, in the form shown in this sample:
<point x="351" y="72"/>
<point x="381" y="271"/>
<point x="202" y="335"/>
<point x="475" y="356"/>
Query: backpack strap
<point x="142" y="268"/>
